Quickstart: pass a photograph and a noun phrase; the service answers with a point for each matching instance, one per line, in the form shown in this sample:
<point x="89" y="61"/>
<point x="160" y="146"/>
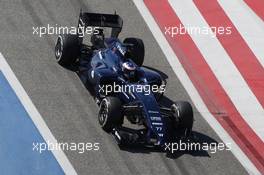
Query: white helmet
<point x="129" y="70"/>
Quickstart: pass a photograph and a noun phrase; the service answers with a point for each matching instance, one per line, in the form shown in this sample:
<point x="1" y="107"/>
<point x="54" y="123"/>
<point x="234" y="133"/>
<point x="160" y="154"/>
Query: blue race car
<point x="122" y="86"/>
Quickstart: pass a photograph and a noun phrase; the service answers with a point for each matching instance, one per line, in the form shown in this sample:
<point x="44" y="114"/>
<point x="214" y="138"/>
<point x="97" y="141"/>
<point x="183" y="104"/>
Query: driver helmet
<point x="129" y="70"/>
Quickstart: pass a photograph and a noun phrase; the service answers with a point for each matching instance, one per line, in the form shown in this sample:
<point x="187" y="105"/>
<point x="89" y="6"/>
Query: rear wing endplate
<point x="113" y="21"/>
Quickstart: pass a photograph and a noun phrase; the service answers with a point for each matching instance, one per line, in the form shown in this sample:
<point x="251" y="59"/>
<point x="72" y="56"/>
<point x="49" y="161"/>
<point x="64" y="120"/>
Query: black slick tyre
<point x="110" y="113"/>
<point x="137" y="50"/>
<point x="67" y="49"/>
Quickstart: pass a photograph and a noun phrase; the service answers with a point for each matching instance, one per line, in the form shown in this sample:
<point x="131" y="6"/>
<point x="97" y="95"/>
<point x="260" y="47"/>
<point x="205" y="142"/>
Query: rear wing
<point x="113" y="21"/>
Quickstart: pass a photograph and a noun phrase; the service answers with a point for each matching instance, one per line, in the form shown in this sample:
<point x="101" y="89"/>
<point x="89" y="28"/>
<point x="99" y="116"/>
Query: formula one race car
<point x="122" y="86"/>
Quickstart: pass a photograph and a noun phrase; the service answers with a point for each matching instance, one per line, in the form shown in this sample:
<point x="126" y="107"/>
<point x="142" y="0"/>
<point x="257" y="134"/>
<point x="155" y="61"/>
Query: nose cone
<point x="156" y="124"/>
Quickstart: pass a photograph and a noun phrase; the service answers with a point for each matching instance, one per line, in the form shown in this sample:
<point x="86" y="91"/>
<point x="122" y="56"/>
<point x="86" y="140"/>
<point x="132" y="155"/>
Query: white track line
<point x="249" y="25"/>
<point x="222" y="66"/>
<point x="35" y="115"/>
<point x="186" y="82"/>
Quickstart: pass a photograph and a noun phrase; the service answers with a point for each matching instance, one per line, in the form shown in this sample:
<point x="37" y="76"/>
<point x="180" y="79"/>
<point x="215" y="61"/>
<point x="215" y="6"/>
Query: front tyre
<point x="183" y="116"/>
<point x="67" y="49"/>
<point x="110" y="115"/>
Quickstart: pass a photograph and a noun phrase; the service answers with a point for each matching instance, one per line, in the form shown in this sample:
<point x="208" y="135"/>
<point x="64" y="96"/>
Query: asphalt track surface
<point x="70" y="111"/>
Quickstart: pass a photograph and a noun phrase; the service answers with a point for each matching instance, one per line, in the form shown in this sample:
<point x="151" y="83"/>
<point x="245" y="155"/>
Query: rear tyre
<point x="110" y="115"/>
<point x="67" y="49"/>
<point x="137" y="50"/>
<point x="183" y="116"/>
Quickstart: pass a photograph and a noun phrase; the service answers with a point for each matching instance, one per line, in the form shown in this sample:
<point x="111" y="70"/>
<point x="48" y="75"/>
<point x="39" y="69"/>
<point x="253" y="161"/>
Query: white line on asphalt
<point x="35" y="115"/>
<point x="186" y="82"/>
